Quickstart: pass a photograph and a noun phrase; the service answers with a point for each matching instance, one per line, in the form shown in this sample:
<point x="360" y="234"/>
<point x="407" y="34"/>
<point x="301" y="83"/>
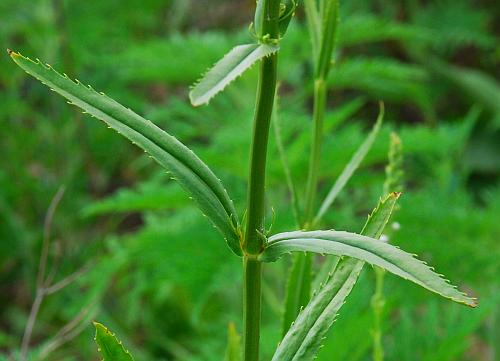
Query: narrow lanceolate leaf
<point x="231" y="66"/>
<point x="303" y="340"/>
<point x="109" y="346"/>
<point x="193" y="175"/>
<point x="349" y="169"/>
<point x="234" y="351"/>
<point x="386" y="256"/>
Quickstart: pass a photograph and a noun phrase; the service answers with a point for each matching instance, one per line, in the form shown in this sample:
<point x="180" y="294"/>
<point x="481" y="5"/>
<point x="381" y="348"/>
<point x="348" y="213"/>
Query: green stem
<point x="256" y="191"/>
<point x="378" y="302"/>
<point x="314" y="161"/>
<point x="254" y="234"/>
<point x="252" y="275"/>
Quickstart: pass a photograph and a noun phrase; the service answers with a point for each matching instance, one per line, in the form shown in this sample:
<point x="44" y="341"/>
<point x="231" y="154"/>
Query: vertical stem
<point x="378" y="307"/>
<point x="252" y="274"/>
<point x="256" y="191"/>
<point x="254" y="240"/>
<point x="312" y="178"/>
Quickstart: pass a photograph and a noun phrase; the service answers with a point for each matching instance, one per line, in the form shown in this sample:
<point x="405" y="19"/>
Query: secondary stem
<point x="312" y="178"/>
<point x="378" y="308"/>
<point x="254" y="234"/>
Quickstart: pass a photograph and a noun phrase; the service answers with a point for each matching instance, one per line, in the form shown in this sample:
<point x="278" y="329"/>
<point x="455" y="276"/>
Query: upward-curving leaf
<point x="231" y="66"/>
<point x="110" y="347"/>
<point x="183" y="165"/>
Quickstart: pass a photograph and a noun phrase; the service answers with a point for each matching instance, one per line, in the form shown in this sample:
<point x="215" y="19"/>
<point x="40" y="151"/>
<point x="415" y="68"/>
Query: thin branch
<point x="66" y="280"/>
<point x="40" y="283"/>
<point x="47" y="228"/>
<point x="70" y="330"/>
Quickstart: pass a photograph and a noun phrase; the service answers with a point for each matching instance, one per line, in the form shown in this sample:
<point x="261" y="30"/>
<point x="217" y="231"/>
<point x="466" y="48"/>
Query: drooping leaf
<point x="183" y="165"/>
<point x="386" y="256"/>
<point x="233" y="350"/>
<point x="231" y="66"/>
<point x="109" y="346"/>
<point x="303" y="340"/>
<point x="349" y="169"/>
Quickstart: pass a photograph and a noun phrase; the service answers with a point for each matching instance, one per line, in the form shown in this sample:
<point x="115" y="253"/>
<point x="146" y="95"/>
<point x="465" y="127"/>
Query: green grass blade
<point x="183" y="165"/>
<point x="234" y="351"/>
<point x="304" y="338"/>
<point x="231" y="66"/>
<point x="351" y="167"/>
<point x="109" y="346"/>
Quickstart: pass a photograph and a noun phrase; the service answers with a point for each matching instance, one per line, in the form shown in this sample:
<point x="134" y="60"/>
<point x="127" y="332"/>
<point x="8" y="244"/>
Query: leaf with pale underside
<point x="181" y="163"/>
<point x="109" y="346"/>
<point x="304" y="338"/>
<point x="386" y="256"/>
<point x="231" y="66"/>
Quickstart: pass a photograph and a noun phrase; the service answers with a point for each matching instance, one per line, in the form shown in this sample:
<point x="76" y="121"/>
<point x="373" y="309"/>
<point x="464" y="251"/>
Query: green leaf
<point x="110" y="347"/>
<point x="233" y="350"/>
<point x="303" y="340"/>
<point x="349" y="169"/>
<point x="231" y="66"/>
<point x="386" y="256"/>
<point x="182" y="164"/>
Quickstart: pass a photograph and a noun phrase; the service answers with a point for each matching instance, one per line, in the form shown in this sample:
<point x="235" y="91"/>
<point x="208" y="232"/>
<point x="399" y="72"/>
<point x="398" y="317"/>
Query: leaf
<point x="183" y="165"/>
<point x="231" y="66"/>
<point x="349" y="169"/>
<point x="303" y="340"/>
<point x="386" y="256"/>
<point x="233" y="350"/>
<point x="109" y="346"/>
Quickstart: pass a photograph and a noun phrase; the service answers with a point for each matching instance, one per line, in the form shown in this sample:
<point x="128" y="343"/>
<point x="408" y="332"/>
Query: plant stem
<point x="254" y="240"/>
<point x="314" y="160"/>
<point x="252" y="274"/>
<point x="256" y="191"/>
<point x="378" y="302"/>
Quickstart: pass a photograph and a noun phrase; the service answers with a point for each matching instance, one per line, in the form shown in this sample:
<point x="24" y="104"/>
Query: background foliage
<point x="435" y="64"/>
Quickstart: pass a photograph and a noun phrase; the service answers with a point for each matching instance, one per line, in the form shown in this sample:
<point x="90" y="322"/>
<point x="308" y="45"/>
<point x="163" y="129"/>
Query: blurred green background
<point x="154" y="270"/>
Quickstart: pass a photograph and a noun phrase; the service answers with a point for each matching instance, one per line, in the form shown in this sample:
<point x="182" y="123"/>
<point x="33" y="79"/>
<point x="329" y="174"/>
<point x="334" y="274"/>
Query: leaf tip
<point x="12" y="53"/>
<point x="396" y="194"/>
